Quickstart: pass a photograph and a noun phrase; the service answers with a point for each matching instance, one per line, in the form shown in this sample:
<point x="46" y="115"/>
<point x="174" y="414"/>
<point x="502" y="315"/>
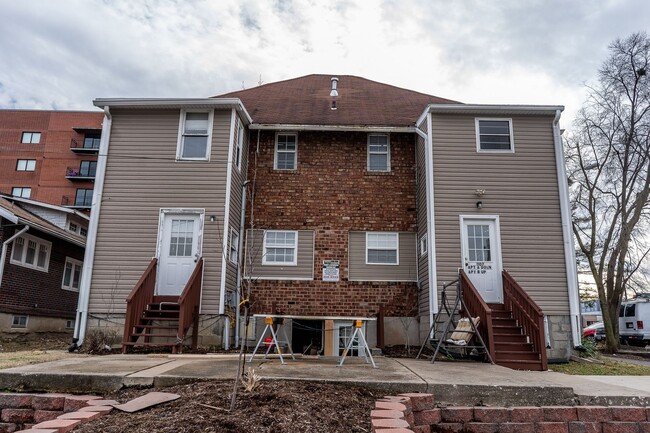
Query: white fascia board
<point x="51" y="232"/>
<point x="431" y="222"/>
<point x="46" y="205"/>
<point x="8" y="215"/>
<point x="175" y="103"/>
<point x="299" y="127"/>
<point x="490" y="108"/>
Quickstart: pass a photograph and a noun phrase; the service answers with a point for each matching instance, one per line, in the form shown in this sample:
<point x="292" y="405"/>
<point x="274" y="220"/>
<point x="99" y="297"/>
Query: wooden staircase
<point x="162" y="321"/>
<point x="512" y="348"/>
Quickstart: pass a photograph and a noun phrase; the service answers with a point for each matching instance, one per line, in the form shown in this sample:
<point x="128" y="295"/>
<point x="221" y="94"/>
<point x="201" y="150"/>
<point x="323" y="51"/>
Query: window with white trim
<point x="72" y="274"/>
<point x="73" y="227"/>
<point x="21" y="191"/>
<point x="19" y="321"/>
<point x="195" y="135"/>
<point x="286" y="152"/>
<point x="233" y="254"/>
<point x="83" y="231"/>
<point x="31" y="138"/>
<point x="280" y="247"/>
<point x="26" y="165"/>
<point x="239" y="146"/>
<point x="31" y="252"/>
<point x="423" y="245"/>
<point x="382" y="248"/>
<point x="494" y="135"/>
<point x="378" y="152"/>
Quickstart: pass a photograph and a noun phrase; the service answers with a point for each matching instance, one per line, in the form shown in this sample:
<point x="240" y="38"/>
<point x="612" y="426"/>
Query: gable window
<point x="72" y="274"/>
<point x="21" y="191"/>
<point x="382" y="248"/>
<point x="233" y="254"/>
<point x="83" y="231"/>
<point x="378" y="152"/>
<point x="239" y="146"/>
<point x="195" y="135"/>
<point x="26" y="165"/>
<point x="494" y="135"/>
<point x="286" y="152"/>
<point x="31" y="252"/>
<point x="73" y="227"/>
<point x="423" y="245"/>
<point x="280" y="247"/>
<point x="19" y="321"/>
<point x="31" y="137"/>
<point x="83" y="198"/>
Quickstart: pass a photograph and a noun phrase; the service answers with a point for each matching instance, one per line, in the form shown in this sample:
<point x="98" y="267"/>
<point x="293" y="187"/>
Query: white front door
<point x="179" y="251"/>
<point x="482" y="256"/>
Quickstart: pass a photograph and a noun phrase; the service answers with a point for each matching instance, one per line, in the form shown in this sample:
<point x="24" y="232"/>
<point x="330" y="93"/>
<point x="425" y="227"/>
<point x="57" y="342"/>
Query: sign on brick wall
<point x="330" y="270"/>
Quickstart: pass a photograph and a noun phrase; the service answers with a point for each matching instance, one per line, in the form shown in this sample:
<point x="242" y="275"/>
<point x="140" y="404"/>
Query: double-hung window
<point x="494" y="135"/>
<point x="286" y="152"/>
<point x="378" y="152"/>
<point x="382" y="248"/>
<point x="31" y="252"/>
<point x="195" y="135"/>
<point x="26" y="165"/>
<point x="280" y="247"/>
<point x="239" y="146"/>
<point x="21" y="191"/>
<point x="233" y="254"/>
<point x="31" y="138"/>
<point x="71" y="274"/>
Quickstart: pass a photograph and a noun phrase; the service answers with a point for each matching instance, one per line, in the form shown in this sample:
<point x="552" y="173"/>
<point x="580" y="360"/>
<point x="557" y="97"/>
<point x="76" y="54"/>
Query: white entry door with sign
<point x="481" y="255"/>
<point x="179" y="250"/>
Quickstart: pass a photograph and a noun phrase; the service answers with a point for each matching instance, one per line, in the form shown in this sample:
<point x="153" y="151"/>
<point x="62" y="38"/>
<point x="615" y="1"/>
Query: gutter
<point x="5" y="245"/>
<point x="567" y="233"/>
<point x="340" y="128"/>
<point x="81" y="319"/>
<point x="240" y="255"/>
<point x="431" y="223"/>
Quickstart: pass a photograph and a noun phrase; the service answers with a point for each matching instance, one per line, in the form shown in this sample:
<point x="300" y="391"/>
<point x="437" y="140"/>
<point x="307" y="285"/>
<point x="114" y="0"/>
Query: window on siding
<point x="280" y="247"/>
<point x="83" y="197"/>
<point x="21" y="191"/>
<point x="195" y="135"/>
<point x="382" y="248"/>
<point x="26" y="165"/>
<point x="233" y="254"/>
<point x="286" y="152"/>
<point x="494" y="135"/>
<point x="72" y="274"/>
<point x="423" y="244"/>
<point x="238" y="147"/>
<point x="31" y="252"/>
<point x="378" y="152"/>
<point x="19" y="321"/>
<point x="31" y="138"/>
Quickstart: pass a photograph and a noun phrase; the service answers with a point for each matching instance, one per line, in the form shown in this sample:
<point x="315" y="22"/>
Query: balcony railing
<point x="77" y="203"/>
<point x="76" y="173"/>
<point x="88" y="145"/>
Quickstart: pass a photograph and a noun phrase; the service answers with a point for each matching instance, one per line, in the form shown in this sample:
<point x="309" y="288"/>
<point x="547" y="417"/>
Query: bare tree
<point x="609" y="175"/>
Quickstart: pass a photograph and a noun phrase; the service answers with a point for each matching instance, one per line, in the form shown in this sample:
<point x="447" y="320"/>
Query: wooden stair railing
<point x="527" y="314"/>
<point x="189" y="302"/>
<point x="138" y="299"/>
<point x="478" y="308"/>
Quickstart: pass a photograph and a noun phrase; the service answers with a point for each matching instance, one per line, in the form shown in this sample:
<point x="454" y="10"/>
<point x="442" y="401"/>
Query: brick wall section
<point x="417" y="413"/>
<point x="30" y="291"/>
<point x="332" y="193"/>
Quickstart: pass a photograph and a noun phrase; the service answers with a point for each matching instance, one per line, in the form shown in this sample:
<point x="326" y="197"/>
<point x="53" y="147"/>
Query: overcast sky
<point x="62" y="54"/>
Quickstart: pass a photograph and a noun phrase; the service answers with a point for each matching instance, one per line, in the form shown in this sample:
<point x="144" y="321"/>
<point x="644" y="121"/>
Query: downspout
<point x="89" y="254"/>
<point x="567" y="233"/>
<point x="5" y="245"/>
<point x="240" y="255"/>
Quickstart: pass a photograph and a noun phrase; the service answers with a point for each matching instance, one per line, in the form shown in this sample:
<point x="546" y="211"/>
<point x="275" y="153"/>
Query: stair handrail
<point x="478" y="308"/>
<point x="139" y="298"/>
<point x="527" y="314"/>
<point x="189" y="302"/>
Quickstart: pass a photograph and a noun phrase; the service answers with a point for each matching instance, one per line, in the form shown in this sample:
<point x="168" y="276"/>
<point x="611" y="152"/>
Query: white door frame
<point x="498" y="262"/>
<point x="161" y="226"/>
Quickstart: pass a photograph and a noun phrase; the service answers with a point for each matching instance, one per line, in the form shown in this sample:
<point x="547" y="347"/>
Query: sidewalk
<point x="465" y="383"/>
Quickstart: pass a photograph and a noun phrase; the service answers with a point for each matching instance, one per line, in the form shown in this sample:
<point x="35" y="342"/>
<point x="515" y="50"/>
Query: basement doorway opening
<point x="307" y="336"/>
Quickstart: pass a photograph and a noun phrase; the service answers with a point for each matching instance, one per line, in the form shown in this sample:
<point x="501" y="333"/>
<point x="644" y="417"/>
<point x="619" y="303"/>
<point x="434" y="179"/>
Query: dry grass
<point x="609" y="368"/>
<point x="27" y="357"/>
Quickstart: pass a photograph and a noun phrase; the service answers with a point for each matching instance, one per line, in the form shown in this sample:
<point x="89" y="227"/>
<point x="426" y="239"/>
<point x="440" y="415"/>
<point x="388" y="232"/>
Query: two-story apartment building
<point x="359" y="197"/>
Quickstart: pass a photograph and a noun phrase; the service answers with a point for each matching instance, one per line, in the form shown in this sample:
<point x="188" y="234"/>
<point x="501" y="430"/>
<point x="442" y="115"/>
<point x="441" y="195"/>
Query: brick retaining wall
<point x="417" y="413"/>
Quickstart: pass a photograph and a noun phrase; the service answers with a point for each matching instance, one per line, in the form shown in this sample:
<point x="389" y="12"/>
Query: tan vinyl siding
<point x="421" y="205"/>
<point x="520" y="187"/>
<point x="304" y="269"/>
<point x="360" y="271"/>
<point x="143" y="176"/>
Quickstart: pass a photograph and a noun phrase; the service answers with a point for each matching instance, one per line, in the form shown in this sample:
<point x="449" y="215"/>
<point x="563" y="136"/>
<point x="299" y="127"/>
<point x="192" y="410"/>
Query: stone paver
<point x="62" y="425"/>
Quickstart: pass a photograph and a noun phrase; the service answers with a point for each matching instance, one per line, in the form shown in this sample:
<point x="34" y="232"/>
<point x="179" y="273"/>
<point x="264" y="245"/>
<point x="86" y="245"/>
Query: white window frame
<point x="234" y="247"/>
<point x="39" y="242"/>
<point x="70" y="226"/>
<point x="295" y="153"/>
<point x="19" y="316"/>
<point x="368" y="234"/>
<point x="387" y="153"/>
<point x="423" y="245"/>
<point x="83" y="229"/>
<point x="295" y="249"/>
<point x="30" y="137"/>
<point x="22" y="190"/>
<point x="73" y="262"/>
<point x="477" y="129"/>
<point x="181" y="135"/>
<point x="28" y="165"/>
<point x="239" y="146"/>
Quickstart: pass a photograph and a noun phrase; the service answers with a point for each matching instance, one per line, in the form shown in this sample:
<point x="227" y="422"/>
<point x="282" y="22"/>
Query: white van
<point x="634" y="322"/>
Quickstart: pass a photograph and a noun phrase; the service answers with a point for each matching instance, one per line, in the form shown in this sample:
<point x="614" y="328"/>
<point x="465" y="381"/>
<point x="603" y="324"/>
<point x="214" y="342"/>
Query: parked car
<point x="594" y="332"/>
<point x="634" y="322"/>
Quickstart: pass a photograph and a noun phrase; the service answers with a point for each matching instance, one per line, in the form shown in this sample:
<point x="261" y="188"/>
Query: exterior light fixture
<point x="479" y="205"/>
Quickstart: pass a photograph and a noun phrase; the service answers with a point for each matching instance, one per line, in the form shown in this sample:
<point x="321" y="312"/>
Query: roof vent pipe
<point x="335" y="82"/>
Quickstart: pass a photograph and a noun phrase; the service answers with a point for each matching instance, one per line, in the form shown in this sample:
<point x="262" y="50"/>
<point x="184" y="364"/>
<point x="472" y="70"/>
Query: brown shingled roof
<point x="307" y="101"/>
